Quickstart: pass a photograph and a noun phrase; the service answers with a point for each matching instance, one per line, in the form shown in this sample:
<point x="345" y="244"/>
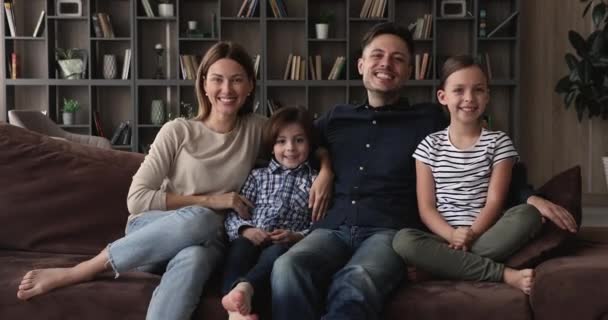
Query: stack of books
<point x="421" y="28"/>
<point x="373" y="9"/>
<point x="247" y="9"/>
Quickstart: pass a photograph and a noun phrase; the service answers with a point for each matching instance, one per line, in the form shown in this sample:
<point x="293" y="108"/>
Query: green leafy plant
<point x="586" y="86"/>
<point x="70" y="105"/>
<point x="66" y="54"/>
<point x="326" y="17"/>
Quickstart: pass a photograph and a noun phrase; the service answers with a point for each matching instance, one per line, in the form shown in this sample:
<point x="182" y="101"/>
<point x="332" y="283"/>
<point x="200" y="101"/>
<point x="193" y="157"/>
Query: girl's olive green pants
<point x="431" y="253"/>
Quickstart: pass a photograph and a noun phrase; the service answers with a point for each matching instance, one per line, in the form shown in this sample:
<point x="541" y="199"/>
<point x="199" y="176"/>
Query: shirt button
<point x="374" y="122"/>
<point x="361" y="168"/>
<point x="354" y="202"/>
<point x="367" y="145"/>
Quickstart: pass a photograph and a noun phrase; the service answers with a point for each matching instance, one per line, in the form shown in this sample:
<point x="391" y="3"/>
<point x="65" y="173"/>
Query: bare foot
<point x="41" y="281"/>
<point x="521" y="279"/>
<point x="234" y="315"/>
<point x="239" y="299"/>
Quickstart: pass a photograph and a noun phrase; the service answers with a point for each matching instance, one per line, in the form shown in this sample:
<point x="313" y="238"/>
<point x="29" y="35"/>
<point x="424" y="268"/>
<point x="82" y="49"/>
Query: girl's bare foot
<point x="41" y="281"/>
<point x="521" y="279"/>
<point x="239" y="299"/>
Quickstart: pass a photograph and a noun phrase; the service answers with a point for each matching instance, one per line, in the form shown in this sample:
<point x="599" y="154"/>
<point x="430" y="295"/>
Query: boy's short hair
<point x="282" y="118"/>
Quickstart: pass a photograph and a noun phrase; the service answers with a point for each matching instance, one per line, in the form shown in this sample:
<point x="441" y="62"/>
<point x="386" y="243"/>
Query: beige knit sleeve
<point x="145" y="192"/>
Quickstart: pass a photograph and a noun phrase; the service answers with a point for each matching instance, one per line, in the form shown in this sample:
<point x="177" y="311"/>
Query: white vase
<point x="68" y="118"/>
<point x="109" y="66"/>
<point x="165" y="10"/>
<point x="322" y="30"/>
<point x="157" y="112"/>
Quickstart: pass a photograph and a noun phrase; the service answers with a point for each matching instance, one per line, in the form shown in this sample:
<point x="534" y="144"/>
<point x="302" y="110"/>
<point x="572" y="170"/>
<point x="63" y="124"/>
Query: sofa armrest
<point x="94" y="141"/>
<point x="573" y="286"/>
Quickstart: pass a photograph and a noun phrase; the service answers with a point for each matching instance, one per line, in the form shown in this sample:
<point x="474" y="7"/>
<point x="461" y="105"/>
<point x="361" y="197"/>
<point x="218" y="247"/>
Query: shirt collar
<point x="275" y="167"/>
<point x="400" y="104"/>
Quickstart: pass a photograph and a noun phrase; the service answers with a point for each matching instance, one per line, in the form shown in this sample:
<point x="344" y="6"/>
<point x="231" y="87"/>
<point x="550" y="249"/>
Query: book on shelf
<point x="98" y="126"/>
<point x="278" y="8"/>
<point x="106" y="25"/>
<point x="38" y="27"/>
<point x="117" y="132"/>
<point x="125" y="135"/>
<point x="484" y="61"/>
<point x="417" y="61"/>
<point x="96" y="26"/>
<point x="247" y="9"/>
<point x="373" y="9"/>
<point x="272" y="106"/>
<point x="10" y="18"/>
<point x="126" y="65"/>
<point x="147" y="8"/>
<point x="318" y="67"/>
<point x="503" y="23"/>
<point x="421" y="28"/>
<point x="311" y="67"/>
<point x="337" y="68"/>
<point x="287" y="67"/>
<point x="423" y="66"/>
<point x="213" y="25"/>
<point x="302" y="74"/>
<point x="256" y="65"/>
<point x="14" y="66"/>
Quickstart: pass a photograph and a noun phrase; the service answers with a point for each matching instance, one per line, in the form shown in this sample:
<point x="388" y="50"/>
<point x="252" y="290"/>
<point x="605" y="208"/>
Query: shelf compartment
<point x="113" y="105"/>
<point x="329" y="52"/>
<point x="119" y="13"/>
<point x="100" y="49"/>
<point x="29" y="97"/>
<point x="283" y="39"/>
<point x="78" y="93"/>
<point x="248" y="35"/>
<point x="29" y="64"/>
<point x="152" y="33"/>
<point x="147" y="94"/>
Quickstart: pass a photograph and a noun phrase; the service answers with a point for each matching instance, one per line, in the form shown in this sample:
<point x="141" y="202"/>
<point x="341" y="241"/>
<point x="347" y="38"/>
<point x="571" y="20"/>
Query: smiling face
<point x="292" y="146"/>
<point x="466" y="94"/>
<point x="227" y="86"/>
<point x="385" y="65"/>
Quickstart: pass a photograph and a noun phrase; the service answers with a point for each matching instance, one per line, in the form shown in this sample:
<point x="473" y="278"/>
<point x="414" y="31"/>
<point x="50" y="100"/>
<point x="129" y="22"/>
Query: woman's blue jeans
<point x="183" y="245"/>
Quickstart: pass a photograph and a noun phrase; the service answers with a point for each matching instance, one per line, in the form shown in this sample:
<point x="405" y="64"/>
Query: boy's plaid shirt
<point x="280" y="197"/>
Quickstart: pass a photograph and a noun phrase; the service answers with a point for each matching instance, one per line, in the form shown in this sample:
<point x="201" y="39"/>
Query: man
<point x="349" y="255"/>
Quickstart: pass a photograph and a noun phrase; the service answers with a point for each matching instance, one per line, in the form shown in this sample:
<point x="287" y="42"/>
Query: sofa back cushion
<point x="565" y="190"/>
<point x="61" y="197"/>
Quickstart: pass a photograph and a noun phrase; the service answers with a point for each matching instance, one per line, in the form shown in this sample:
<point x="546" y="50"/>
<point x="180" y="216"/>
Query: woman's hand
<point x="231" y="200"/>
<point x="285" y="236"/>
<point x="320" y="194"/>
<point x="256" y="235"/>
<point x="556" y="213"/>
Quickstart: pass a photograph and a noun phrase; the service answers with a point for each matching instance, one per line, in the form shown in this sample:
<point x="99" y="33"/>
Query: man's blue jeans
<point x="356" y="266"/>
<point x="184" y="246"/>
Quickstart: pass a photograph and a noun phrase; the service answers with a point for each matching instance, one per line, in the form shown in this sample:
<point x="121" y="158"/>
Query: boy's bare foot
<point x="521" y="279"/>
<point x="235" y="315"/>
<point x="41" y="281"/>
<point x="239" y="299"/>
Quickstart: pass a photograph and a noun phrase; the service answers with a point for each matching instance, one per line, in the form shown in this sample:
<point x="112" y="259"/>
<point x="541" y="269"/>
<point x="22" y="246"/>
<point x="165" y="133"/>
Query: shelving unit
<point x="39" y="85"/>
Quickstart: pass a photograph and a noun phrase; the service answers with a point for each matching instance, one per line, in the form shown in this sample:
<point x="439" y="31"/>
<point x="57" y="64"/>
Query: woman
<point x="179" y="194"/>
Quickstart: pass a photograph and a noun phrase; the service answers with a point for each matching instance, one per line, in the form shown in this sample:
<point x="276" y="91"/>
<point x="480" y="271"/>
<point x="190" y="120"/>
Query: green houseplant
<point x="70" y="107"/>
<point x="72" y="62"/>
<point x="586" y="85"/>
<point x="322" y="25"/>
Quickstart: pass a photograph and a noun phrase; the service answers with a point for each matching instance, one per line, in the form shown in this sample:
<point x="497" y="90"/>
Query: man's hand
<point x="285" y="236"/>
<point x="462" y="238"/>
<point x="557" y="214"/>
<point x="231" y="200"/>
<point x="256" y="235"/>
<point x="320" y="194"/>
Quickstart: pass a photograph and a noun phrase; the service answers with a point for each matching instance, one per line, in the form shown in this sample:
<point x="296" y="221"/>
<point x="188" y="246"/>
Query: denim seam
<point x="112" y="263"/>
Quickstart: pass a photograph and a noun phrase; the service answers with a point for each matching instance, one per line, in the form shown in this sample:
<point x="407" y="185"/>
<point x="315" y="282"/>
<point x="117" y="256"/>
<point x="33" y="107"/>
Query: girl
<point x="463" y="174"/>
<point x="280" y="217"/>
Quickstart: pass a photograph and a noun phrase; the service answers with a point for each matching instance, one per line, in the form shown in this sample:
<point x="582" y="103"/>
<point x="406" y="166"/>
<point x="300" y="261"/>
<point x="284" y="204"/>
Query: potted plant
<point x="322" y="25"/>
<point x="70" y="106"/>
<point x="72" y="62"/>
<point x="586" y="84"/>
<point x="165" y="8"/>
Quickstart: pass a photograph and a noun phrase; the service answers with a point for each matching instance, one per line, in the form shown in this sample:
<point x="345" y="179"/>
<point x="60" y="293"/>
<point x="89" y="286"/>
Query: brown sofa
<point x="61" y="202"/>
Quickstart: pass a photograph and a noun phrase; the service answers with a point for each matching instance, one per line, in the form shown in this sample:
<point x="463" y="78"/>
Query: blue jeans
<point x="357" y="265"/>
<point x="247" y="262"/>
<point x="187" y="244"/>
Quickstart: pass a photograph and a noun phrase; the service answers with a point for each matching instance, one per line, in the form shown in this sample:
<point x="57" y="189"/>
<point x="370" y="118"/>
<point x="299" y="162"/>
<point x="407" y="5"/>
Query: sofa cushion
<point x="104" y="298"/>
<point x="456" y="300"/>
<point x="60" y="196"/>
<point x="564" y="190"/>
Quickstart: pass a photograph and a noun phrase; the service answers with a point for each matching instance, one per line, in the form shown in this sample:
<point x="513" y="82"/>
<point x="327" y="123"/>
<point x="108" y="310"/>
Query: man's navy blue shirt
<point x="371" y="152"/>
